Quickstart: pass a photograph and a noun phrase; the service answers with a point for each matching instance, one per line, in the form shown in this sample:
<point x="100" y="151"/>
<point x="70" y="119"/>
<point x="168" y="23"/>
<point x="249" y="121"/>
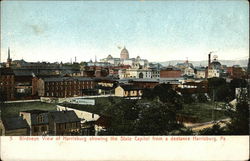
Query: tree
<point x="240" y="118"/>
<point x="156" y="118"/>
<point x="237" y="83"/>
<point x="3" y="96"/>
<point x="188" y="98"/>
<point x="148" y="94"/>
<point x="219" y="89"/>
<point x="165" y="94"/>
<point x="123" y="115"/>
<point x="201" y="97"/>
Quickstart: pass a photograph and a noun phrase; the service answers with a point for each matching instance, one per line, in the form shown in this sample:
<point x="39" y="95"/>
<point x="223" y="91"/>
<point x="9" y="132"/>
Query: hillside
<point x="242" y="63"/>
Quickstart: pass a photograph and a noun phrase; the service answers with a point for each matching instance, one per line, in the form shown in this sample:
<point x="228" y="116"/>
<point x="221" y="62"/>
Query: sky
<point x="58" y="31"/>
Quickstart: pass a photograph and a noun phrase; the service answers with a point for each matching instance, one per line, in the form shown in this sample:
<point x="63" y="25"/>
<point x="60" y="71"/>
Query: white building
<point x="213" y="73"/>
<point x="135" y="73"/>
<point x="189" y="71"/>
<point x="214" y="69"/>
<point x="125" y="60"/>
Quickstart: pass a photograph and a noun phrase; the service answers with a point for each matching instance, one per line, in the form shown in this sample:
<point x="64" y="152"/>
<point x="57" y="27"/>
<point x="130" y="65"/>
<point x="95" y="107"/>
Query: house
<point x="64" y="123"/>
<point x="37" y="120"/>
<point x="127" y="90"/>
<point x="15" y="126"/>
<point x="7" y="84"/>
<point x="91" y="123"/>
<point x="200" y="73"/>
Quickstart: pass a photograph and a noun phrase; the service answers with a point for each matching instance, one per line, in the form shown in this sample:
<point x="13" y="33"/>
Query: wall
<point x="170" y="73"/>
<point x="17" y="132"/>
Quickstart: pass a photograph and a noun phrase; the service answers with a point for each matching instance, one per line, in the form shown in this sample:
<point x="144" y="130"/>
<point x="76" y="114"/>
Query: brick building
<point x="235" y="72"/>
<point x="63" y="86"/>
<point x="7" y="84"/>
<point x="170" y="73"/>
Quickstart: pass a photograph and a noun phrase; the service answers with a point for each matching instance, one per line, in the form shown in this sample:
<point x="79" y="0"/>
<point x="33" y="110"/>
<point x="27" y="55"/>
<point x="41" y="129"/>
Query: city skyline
<point x="154" y="30"/>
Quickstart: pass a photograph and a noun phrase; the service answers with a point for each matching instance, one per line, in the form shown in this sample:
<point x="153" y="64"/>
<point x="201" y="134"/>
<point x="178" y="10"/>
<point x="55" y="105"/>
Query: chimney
<point x="209" y="59"/>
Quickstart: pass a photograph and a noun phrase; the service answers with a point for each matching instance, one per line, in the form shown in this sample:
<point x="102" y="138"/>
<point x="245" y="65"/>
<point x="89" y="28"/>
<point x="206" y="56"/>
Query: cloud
<point x="38" y="29"/>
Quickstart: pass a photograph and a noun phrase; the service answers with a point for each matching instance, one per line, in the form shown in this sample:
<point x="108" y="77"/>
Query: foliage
<point x="165" y="94"/>
<point x="156" y="119"/>
<point x="3" y="97"/>
<point x="216" y="82"/>
<point x="188" y="98"/>
<point x="240" y="118"/>
<point x="201" y="97"/>
<point x="131" y="117"/>
<point x="219" y="90"/>
<point x="223" y="93"/>
<point x="237" y="83"/>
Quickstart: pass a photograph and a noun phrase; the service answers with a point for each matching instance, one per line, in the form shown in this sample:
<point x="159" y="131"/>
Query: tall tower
<point x="124" y="53"/>
<point x="9" y="60"/>
<point x="209" y="60"/>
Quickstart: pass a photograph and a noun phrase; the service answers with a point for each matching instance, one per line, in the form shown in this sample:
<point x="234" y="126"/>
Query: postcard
<point x="124" y="80"/>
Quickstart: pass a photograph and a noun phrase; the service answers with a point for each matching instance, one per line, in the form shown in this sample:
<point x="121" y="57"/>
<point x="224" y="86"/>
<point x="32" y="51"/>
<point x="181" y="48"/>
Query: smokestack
<point x="209" y="59"/>
<point x="75" y="59"/>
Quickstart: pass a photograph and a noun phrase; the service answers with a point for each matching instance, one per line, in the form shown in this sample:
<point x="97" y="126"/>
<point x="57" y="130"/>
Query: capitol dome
<point x="124" y="54"/>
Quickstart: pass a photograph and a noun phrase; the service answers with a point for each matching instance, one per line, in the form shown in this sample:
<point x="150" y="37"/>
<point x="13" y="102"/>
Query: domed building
<point x="215" y="68"/>
<point x="124" y="53"/>
<point x="215" y="64"/>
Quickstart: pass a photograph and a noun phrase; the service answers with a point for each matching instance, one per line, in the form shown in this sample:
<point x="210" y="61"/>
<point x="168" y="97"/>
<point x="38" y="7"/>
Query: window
<point x="40" y="119"/>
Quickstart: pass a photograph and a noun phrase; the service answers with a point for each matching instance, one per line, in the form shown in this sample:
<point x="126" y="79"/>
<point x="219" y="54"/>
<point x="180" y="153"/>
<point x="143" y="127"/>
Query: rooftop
<point x="59" y="79"/>
<point x="64" y="116"/>
<point x="14" y="123"/>
<point x="35" y="111"/>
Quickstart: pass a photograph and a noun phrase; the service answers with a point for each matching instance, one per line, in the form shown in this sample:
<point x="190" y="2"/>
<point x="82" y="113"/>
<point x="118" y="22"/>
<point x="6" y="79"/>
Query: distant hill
<point x="242" y="63"/>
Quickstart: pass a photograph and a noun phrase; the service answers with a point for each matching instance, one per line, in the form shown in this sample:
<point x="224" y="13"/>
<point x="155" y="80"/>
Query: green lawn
<point x="13" y="109"/>
<point x="203" y="111"/>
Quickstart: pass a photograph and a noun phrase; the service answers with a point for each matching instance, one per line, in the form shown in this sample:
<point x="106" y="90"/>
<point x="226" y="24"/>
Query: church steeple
<point x="9" y="60"/>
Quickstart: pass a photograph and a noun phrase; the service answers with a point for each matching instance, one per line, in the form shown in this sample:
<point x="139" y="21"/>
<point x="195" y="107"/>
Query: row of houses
<point x="64" y="121"/>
